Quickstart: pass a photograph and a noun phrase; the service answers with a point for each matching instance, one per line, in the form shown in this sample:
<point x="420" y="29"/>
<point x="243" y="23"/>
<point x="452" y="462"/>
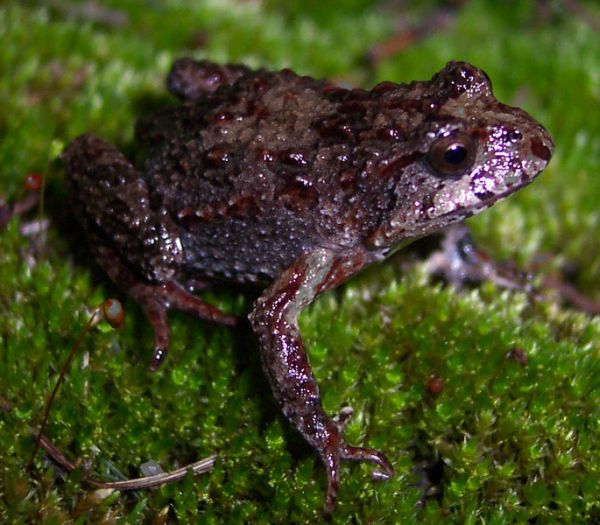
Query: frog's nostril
<point x="540" y="150"/>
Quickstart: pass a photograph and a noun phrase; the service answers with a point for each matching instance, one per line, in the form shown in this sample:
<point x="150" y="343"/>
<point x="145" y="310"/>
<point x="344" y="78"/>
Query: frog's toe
<point x="155" y="308"/>
<point x="384" y="468"/>
<point x="339" y="450"/>
<point x="331" y="458"/>
<point x="159" y="354"/>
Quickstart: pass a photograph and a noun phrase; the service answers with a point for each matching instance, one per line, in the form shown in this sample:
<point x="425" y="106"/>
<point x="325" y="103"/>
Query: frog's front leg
<point x="274" y="319"/>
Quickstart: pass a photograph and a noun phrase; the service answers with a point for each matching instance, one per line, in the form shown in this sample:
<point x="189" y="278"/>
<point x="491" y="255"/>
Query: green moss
<point x="512" y="444"/>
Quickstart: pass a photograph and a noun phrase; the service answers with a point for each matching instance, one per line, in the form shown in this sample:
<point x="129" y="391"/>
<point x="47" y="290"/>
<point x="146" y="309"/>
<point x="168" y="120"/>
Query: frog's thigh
<point x="111" y="198"/>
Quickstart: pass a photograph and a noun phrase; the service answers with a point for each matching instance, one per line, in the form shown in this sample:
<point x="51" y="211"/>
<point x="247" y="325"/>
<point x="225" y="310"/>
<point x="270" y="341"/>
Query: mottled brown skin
<point x="295" y="185"/>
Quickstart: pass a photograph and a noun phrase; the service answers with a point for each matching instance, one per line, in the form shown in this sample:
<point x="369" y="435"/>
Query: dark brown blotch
<point x="479" y="134"/>
<point x="333" y="92"/>
<point x="258" y="111"/>
<point x="539" y="150"/>
<point x="385" y="87"/>
<point x="357" y="94"/>
<point x="260" y="84"/>
<point x="336" y="128"/>
<point x="354" y="108"/>
<point x="398" y="164"/>
<point x="403" y="104"/>
<point x="296" y="193"/>
<point x="243" y="206"/>
<point x="287" y="74"/>
<point x="348" y="179"/>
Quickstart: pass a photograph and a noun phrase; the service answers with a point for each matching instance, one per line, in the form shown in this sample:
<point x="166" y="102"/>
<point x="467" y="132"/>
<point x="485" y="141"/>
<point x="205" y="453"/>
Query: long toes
<point x="385" y="470"/>
<point x="331" y="458"/>
<point x="330" y="498"/>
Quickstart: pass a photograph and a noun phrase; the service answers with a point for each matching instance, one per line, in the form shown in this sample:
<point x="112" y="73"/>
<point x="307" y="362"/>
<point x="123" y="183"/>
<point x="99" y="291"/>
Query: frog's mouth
<point x="485" y="201"/>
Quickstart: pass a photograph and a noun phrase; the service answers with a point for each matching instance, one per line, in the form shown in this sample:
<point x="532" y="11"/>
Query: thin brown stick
<point x="146" y="482"/>
<point x="8" y="211"/>
<point x="94" y="318"/>
<point x="26" y="203"/>
<point x="198" y="467"/>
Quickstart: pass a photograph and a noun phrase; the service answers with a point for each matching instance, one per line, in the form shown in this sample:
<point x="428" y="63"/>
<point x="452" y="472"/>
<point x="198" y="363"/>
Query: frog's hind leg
<point x="156" y="299"/>
<point x="136" y="245"/>
<point x="190" y="80"/>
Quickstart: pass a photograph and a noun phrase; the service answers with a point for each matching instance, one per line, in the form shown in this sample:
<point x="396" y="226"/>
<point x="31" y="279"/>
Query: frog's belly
<point x="246" y="250"/>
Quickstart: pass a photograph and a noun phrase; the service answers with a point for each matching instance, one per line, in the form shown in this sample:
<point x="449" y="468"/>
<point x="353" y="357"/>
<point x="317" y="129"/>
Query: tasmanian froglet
<point x="293" y="185"/>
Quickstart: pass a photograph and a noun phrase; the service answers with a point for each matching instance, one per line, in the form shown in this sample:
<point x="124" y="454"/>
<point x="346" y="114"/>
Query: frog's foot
<point x="335" y="451"/>
<point x="192" y="79"/>
<point x="9" y="210"/>
<point x="460" y="262"/>
<point x="157" y="299"/>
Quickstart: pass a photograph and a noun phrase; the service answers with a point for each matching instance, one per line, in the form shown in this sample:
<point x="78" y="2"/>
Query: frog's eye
<point x="453" y="154"/>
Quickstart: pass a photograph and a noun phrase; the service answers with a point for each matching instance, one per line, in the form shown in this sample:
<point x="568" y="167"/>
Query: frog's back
<point x="259" y="171"/>
<point x="256" y="168"/>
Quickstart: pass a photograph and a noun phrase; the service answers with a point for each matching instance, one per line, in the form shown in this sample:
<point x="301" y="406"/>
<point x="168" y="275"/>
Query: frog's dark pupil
<point x="455" y="155"/>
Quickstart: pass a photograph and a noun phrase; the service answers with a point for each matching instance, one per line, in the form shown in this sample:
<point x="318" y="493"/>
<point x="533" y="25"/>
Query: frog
<point x="292" y="185"/>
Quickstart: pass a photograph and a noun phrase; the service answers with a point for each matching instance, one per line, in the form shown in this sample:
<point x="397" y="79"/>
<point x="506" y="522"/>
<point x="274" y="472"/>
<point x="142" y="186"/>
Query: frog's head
<point x="465" y="151"/>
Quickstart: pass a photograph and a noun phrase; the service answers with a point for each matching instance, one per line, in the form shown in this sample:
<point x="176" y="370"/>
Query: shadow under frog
<point x="293" y="185"/>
